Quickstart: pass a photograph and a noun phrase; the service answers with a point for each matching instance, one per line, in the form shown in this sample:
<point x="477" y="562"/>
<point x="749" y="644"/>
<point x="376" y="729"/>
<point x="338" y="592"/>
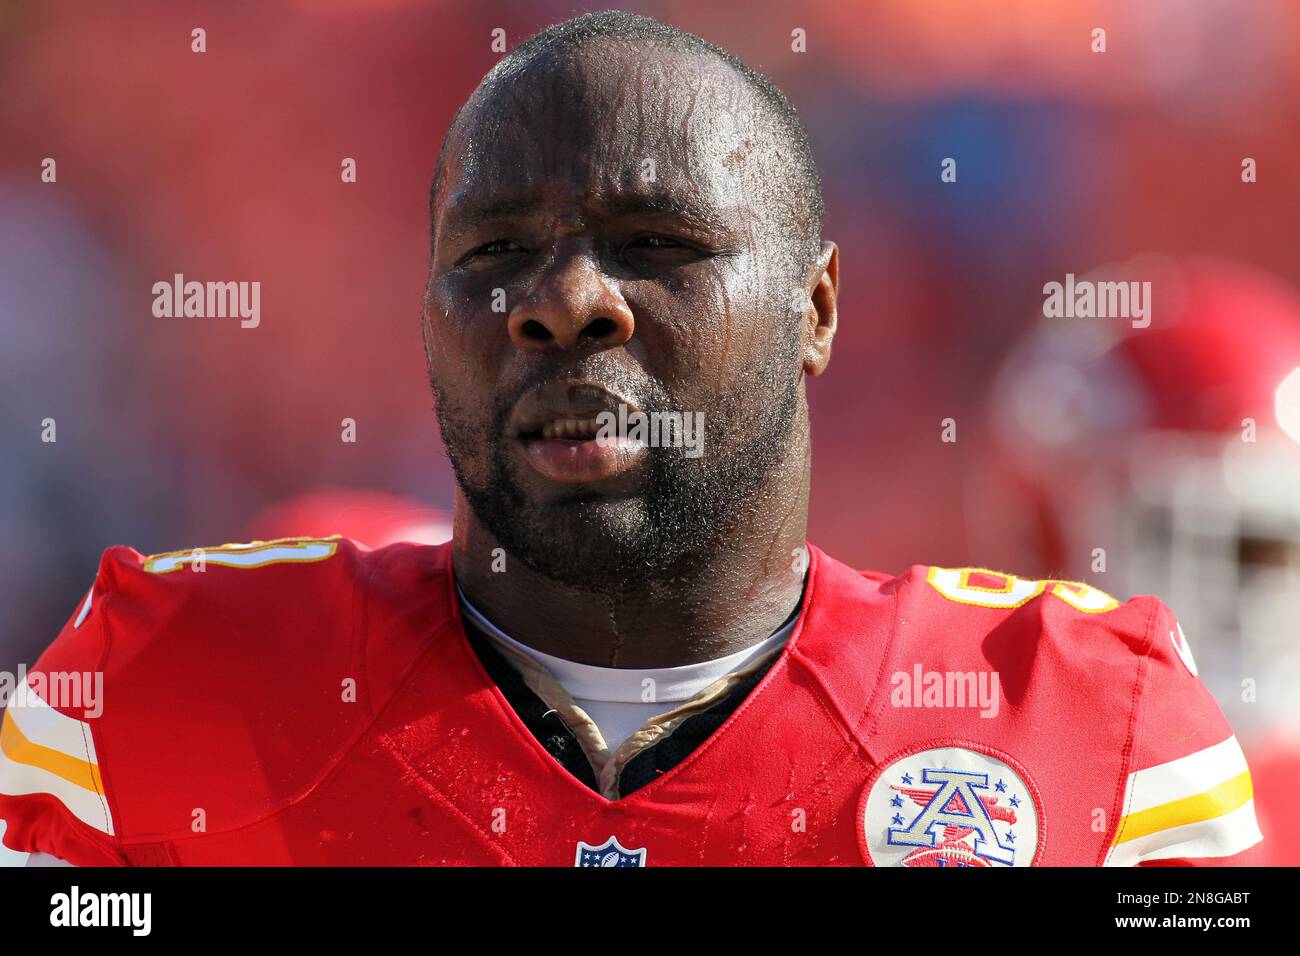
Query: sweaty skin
<point x="627" y="202"/>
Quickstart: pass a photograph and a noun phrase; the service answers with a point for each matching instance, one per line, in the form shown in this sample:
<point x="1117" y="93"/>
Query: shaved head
<point x="786" y="179"/>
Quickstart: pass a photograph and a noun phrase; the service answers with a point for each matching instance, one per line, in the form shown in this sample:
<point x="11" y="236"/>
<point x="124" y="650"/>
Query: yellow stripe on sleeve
<point x="1215" y="802"/>
<point x="19" y="749"/>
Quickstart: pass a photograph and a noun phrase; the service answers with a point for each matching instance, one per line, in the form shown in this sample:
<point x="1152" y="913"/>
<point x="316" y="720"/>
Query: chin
<point x="607" y="546"/>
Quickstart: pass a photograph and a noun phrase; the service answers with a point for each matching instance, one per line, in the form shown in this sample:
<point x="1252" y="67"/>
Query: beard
<point x="680" y="512"/>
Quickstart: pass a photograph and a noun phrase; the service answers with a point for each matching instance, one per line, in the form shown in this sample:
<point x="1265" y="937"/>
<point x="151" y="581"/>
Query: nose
<point x="573" y="304"/>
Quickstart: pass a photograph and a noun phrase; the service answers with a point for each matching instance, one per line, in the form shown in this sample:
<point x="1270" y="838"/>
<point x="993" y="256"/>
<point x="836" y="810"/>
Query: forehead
<point x="609" y="121"/>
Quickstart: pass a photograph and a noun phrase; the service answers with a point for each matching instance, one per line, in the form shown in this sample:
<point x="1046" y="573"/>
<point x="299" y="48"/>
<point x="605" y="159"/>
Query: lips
<point x="558" y="434"/>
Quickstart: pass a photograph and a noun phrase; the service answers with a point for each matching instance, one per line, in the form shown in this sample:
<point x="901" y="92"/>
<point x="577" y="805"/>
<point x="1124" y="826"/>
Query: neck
<point x="714" y="606"/>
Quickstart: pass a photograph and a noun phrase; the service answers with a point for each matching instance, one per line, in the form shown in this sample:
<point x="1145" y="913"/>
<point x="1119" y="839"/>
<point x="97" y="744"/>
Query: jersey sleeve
<point x="52" y="795"/>
<point x="1188" y="799"/>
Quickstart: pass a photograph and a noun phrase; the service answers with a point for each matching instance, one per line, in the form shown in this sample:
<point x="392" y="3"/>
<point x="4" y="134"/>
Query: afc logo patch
<point x="609" y="853"/>
<point x="950" y="803"/>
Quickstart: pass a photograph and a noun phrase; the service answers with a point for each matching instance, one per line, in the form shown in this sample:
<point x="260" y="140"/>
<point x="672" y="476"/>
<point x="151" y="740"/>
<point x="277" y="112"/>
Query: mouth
<point x="568" y="432"/>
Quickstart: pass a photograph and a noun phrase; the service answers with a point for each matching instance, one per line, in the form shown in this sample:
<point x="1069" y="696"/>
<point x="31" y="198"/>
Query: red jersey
<point x="307" y="701"/>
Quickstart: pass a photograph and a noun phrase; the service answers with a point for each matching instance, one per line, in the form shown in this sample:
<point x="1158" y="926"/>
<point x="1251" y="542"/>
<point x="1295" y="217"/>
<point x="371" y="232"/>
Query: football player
<point x="628" y="654"/>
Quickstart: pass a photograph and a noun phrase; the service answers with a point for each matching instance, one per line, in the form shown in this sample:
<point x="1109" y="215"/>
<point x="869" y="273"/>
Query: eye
<point x="490" y="250"/>
<point x="654" y="250"/>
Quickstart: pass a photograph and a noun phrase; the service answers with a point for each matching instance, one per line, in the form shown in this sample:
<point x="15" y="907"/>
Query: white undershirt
<point x="620" y="700"/>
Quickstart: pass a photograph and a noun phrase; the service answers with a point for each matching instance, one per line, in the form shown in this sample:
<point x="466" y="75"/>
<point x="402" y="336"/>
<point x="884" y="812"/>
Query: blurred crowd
<point x="1071" y="435"/>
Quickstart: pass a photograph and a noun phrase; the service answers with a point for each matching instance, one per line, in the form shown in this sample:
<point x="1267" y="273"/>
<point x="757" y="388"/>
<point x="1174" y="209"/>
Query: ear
<point x="821" y="314"/>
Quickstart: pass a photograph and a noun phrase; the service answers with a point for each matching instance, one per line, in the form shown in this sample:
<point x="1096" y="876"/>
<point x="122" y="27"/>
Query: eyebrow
<point x="659" y="204"/>
<point x="466" y="214"/>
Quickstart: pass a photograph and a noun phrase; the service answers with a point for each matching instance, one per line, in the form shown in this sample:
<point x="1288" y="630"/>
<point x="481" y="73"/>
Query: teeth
<point x="569" y="428"/>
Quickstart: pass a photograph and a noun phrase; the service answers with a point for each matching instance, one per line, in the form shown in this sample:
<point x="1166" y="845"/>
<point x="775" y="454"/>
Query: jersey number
<point x="985" y="588"/>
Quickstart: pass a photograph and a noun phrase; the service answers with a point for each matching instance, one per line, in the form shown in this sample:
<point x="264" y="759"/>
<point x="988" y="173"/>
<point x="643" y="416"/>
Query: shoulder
<point x="270" y="599"/>
<point x="1013" y="612"/>
<point x="179" y="671"/>
<point x="1071" y="640"/>
<point x="253" y="624"/>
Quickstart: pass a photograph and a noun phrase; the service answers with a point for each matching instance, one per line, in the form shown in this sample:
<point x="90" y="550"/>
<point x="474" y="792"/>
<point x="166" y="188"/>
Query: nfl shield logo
<point x="609" y="853"/>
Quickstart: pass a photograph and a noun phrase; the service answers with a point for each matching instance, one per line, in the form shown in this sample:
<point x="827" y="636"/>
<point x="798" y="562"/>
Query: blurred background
<point x="1159" y="460"/>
